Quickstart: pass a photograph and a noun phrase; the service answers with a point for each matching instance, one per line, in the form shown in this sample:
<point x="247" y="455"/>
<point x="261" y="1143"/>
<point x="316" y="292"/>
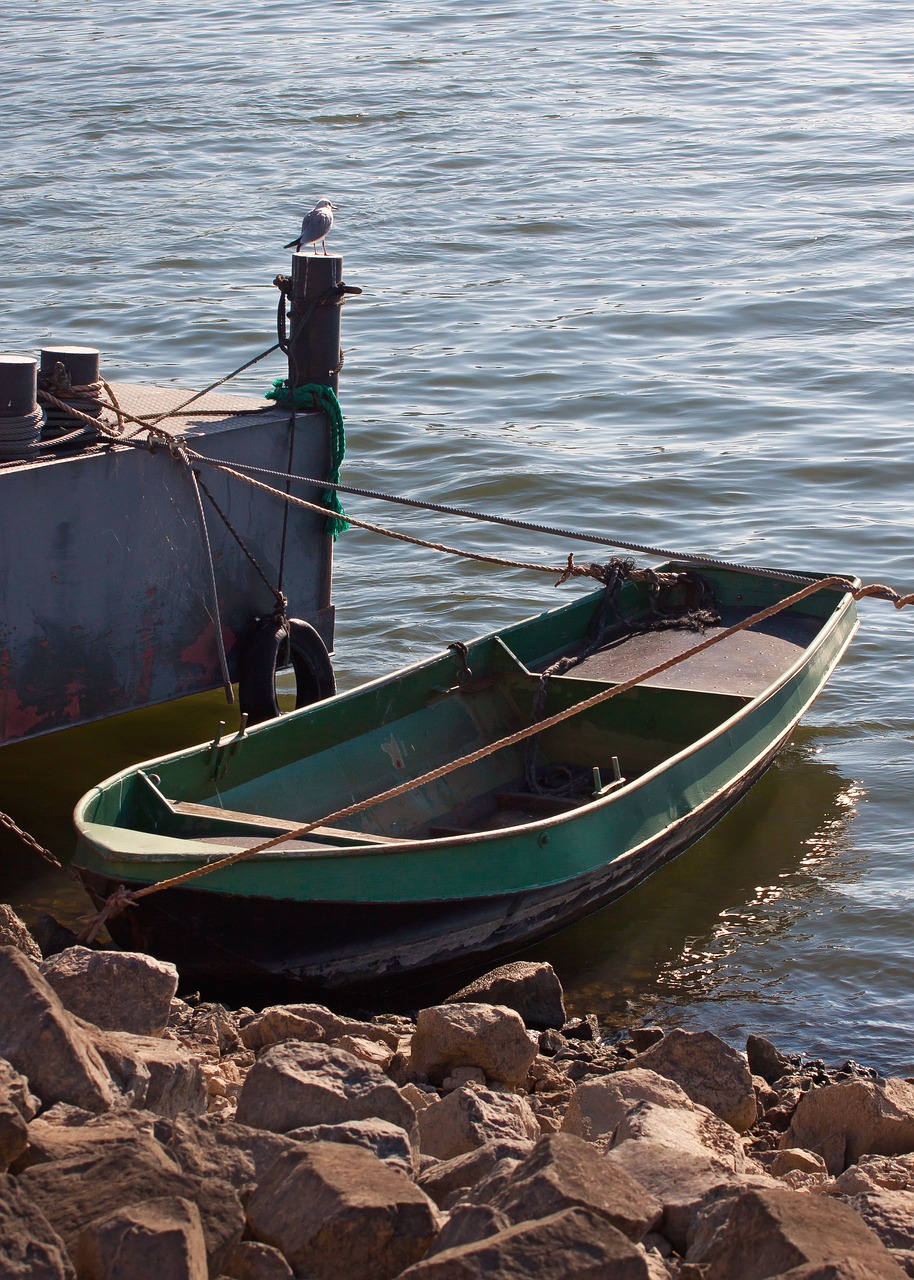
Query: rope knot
<point x="115" y="903"/>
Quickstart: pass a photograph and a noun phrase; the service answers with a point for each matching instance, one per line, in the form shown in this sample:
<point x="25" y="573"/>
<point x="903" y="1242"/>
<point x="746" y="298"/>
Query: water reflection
<point x="685" y="936"/>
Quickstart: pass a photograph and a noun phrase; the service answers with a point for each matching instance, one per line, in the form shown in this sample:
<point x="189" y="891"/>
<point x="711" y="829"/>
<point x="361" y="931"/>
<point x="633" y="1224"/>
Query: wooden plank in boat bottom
<point x="744" y="665"/>
<point x="279" y="825"/>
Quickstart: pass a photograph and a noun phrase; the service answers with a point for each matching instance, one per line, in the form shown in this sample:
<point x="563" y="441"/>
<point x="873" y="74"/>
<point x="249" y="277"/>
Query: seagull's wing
<point x="315" y="225"/>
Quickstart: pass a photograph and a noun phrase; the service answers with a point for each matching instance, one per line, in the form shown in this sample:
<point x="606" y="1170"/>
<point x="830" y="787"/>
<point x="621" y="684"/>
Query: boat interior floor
<point x="745" y="664"/>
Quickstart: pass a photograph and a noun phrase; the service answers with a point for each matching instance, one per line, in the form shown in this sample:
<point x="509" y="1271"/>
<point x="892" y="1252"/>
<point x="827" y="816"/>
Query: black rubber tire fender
<point x="265" y="649"/>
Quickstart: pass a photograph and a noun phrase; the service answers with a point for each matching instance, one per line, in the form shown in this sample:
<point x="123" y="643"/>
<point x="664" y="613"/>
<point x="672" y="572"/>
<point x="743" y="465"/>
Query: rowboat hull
<point x="397" y="907"/>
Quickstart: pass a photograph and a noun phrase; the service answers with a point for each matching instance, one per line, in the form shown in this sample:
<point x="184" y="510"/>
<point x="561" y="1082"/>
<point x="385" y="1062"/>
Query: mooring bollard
<point x="71" y="374"/>
<point x="314" y="330"/>
<point x="20" y="416"/>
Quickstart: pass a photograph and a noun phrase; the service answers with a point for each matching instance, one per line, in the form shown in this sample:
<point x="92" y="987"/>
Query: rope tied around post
<point x="314" y="395"/>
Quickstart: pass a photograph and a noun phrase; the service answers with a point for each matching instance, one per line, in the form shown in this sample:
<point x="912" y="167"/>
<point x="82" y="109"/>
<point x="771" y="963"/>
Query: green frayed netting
<point x="314" y="396"/>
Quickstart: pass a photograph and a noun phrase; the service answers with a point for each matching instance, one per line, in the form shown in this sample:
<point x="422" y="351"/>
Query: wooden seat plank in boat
<point x="744" y="665"/>
<point x="264" y="820"/>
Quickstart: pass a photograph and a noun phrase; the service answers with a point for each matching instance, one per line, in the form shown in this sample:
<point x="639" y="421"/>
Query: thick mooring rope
<point x="123" y="897"/>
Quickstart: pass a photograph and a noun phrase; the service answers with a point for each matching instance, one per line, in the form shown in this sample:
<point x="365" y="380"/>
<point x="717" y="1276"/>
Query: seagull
<point x="315" y="226"/>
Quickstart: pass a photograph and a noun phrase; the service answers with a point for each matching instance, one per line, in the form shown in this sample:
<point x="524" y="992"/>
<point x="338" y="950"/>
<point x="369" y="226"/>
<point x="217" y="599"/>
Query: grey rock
<point x="115" y="990"/>
<point x="337" y="1211"/>
<point x="531" y="988"/>
<point x="294" y="1085"/>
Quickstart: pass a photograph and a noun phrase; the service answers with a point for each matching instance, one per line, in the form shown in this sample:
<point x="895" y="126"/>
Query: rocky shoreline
<point x="145" y="1136"/>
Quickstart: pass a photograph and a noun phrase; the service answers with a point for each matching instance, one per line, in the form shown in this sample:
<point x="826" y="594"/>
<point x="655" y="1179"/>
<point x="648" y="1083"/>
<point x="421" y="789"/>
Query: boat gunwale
<point x="440" y="844"/>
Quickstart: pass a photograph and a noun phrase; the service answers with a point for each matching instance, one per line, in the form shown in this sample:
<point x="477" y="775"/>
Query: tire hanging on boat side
<point x="266" y="650"/>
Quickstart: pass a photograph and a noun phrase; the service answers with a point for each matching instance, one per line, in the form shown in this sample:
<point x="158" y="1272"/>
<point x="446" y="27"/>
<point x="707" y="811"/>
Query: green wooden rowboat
<point x="488" y="857"/>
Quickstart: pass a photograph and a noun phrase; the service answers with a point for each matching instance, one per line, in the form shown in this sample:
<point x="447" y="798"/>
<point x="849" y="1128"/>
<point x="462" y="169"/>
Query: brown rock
<point x="278" y="1024"/>
<point x="694" y="1131"/>
<point x="599" y="1104"/>
<point x="530" y="988"/>
<point x="76" y="1191"/>
<point x="14" y="1135"/>
<point x="161" y="1238"/>
<point x="469" y="1117"/>
<point x="796" y="1159"/>
<point x="561" y="1173"/>
<point x="208" y="1148"/>
<point x="870" y="1116"/>
<point x="293" y="1085"/>
<point x="890" y="1215"/>
<point x="15" y="933"/>
<point x="43" y="1042"/>
<point x="115" y="990"/>
<point x="472" y="1035"/>
<point x="574" y="1245"/>
<point x="466" y="1224"/>
<point x="337" y="1211"/>
<point x="372" y="1051"/>
<point x="63" y="1132"/>
<point x="14" y="1089"/>
<point x="710" y="1072"/>
<point x="158" y="1075"/>
<point x="443" y="1178"/>
<point x="683" y="1183"/>
<point x="30" y="1248"/>
<point x="761" y="1233"/>
<point x="252" y="1260"/>
<point x="333" y="1025"/>
<point x="765" y="1060"/>
<point x="387" y="1141"/>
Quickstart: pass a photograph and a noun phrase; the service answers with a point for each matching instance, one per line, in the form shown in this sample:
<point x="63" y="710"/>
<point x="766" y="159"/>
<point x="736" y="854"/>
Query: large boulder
<point x="337" y="1211"/>
<point x="488" y="1036"/>
<point x="471" y="1116"/>
<point x="708" y="1070"/>
<point x="206" y="1147"/>
<point x="694" y="1131"/>
<point x="681" y="1181"/>
<point x="760" y="1233"/>
<point x="890" y="1215"/>
<point x="115" y="990"/>
<point x="561" y="1173"/>
<point x="30" y="1248"/>
<point x="294" y="1084"/>
<point x="446" y="1179"/>
<point x="76" y="1191"/>
<point x="389" y="1142"/>
<point x="865" y="1116"/>
<point x="158" y="1075"/>
<point x="575" y="1244"/>
<point x="599" y="1103"/>
<point x="40" y="1039"/>
<point x="161" y="1238"/>
<point x="64" y="1132"/>
<point x="530" y="988"/>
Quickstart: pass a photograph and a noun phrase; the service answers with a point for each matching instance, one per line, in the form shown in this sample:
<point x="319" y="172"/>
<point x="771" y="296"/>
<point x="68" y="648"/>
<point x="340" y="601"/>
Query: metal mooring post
<point x="314" y="328"/>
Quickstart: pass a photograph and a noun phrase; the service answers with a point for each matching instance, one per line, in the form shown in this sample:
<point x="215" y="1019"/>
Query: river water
<point x="641" y="266"/>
